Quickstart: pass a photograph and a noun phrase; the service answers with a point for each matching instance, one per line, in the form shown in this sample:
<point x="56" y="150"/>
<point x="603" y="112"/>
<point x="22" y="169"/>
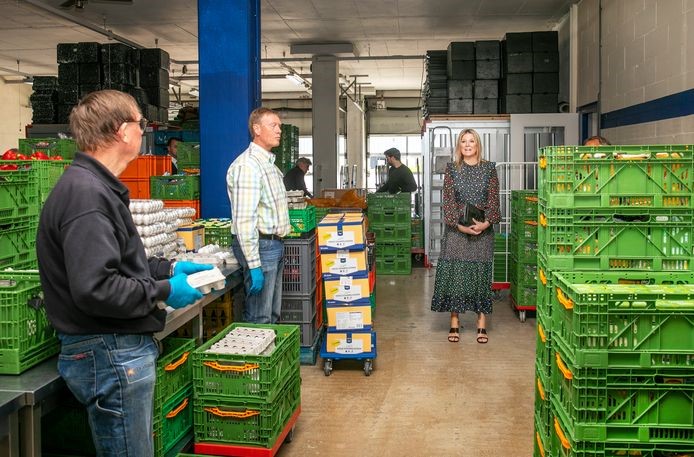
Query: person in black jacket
<point x="294" y="179"/>
<point x="172" y="151"/>
<point x="101" y="292"/>
<point x="400" y="178"/>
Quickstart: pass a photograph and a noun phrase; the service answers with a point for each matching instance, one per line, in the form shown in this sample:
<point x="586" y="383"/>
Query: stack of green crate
<point x="217" y="231"/>
<point x="417" y="232"/>
<point x="501" y="257"/>
<point x="390" y="221"/>
<point x="523" y="260"/>
<point x="174" y="187"/>
<point x="287" y="153"/>
<point x="52" y="147"/>
<point x="615" y="311"/>
<point x="187" y="156"/>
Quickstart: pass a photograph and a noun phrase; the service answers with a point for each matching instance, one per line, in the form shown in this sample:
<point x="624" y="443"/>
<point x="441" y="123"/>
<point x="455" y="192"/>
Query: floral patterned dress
<point x="464" y="269"/>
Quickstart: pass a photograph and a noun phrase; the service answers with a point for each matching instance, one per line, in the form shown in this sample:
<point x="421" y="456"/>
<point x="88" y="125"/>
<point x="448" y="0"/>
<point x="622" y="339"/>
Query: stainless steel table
<point x="10" y="404"/>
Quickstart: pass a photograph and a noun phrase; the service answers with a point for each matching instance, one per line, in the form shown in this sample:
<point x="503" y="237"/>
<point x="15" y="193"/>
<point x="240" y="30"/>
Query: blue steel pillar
<point x="229" y="55"/>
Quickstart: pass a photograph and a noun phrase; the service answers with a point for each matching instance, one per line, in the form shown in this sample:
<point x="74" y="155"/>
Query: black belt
<point x="263" y="236"/>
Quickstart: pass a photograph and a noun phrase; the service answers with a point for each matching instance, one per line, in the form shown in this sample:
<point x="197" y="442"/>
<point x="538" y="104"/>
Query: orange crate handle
<point x="564" y="442"/>
<point x="539" y="444"/>
<point x="173" y="365"/>
<point x="563" y="368"/>
<point x="543" y="162"/>
<point x="564" y="300"/>
<point x="541" y="331"/>
<point x="543" y="220"/>
<point x="235" y="414"/>
<point x="543" y="278"/>
<point x="541" y="389"/>
<point x="533" y="223"/>
<point x="238" y="369"/>
<point x="531" y="199"/>
<point x="173" y="413"/>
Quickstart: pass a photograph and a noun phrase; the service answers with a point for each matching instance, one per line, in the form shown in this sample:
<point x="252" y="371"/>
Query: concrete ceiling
<point x="376" y="28"/>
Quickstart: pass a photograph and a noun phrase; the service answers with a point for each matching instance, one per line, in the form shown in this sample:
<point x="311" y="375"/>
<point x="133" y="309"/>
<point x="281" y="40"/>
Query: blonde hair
<point x="458" y="159"/>
<point x="255" y="117"/>
<point x="95" y="120"/>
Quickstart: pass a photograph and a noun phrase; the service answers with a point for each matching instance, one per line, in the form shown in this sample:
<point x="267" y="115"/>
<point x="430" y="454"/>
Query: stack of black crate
<point x="79" y="73"/>
<point x="436" y="87"/>
<point x="487" y="74"/>
<point x="44" y="99"/>
<point x="154" y="82"/>
<point x="530" y="82"/>
<point x="460" y="66"/>
<point x="119" y="66"/>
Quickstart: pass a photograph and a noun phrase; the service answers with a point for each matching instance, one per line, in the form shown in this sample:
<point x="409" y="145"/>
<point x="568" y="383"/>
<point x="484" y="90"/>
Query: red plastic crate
<point x="146" y="166"/>
<point x="138" y="187"/>
<point x="184" y="204"/>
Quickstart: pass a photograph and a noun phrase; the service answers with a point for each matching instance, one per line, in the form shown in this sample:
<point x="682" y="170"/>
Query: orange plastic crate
<point x="146" y="166"/>
<point x="139" y="187"/>
<point x="184" y="203"/>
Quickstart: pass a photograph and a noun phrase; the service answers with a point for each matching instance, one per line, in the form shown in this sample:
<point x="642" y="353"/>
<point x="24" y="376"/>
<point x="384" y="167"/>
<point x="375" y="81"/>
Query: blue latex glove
<point x="182" y="294"/>
<point x="257" y="280"/>
<point x="188" y="268"/>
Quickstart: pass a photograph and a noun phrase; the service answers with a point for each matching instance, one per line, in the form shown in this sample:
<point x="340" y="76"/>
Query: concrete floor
<point x="426" y="396"/>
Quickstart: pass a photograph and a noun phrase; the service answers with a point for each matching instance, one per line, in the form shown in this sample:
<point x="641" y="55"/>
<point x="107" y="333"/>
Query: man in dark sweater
<point x="294" y="179"/>
<point x="101" y="292"/>
<point x="400" y="178"/>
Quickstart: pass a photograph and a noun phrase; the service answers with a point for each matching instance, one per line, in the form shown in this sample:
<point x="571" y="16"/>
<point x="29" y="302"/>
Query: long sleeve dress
<point x="464" y="269"/>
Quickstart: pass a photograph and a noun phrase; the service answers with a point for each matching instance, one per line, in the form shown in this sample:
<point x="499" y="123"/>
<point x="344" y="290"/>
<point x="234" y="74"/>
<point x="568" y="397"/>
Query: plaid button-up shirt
<point x="258" y="200"/>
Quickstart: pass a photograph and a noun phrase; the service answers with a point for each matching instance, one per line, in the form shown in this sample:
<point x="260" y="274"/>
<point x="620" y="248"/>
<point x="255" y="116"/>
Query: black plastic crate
<point x="301" y="308"/>
<point x="115" y="53"/>
<point x="89" y="73"/>
<point x="163" y="114"/>
<point x="517" y="83"/>
<point x="68" y="74"/>
<point x="488" y="69"/>
<point x="518" y="63"/>
<point x="68" y="95"/>
<point x="158" y="96"/>
<point x="487" y="50"/>
<point x="118" y="73"/>
<point x="299" y="274"/>
<point x="486" y="106"/>
<point x="516" y="103"/>
<point x="461" y="50"/>
<point x="546" y="83"/>
<point x="115" y="86"/>
<point x="45" y="83"/>
<point x="134" y="57"/>
<point x="88" y="52"/>
<point x="546" y="62"/>
<point x="486" y="88"/>
<point x="545" y="41"/>
<point x="88" y="89"/>
<point x="63" y="114"/>
<point x="459" y="88"/>
<point x="461" y="69"/>
<point x="518" y="42"/>
<point x="154" y="58"/>
<point x="545" y="103"/>
<point x="151" y="112"/>
<point x="139" y="95"/>
<point x="43" y="97"/>
<point x="153" y="77"/>
<point x="67" y="53"/>
<point x="460" y="106"/>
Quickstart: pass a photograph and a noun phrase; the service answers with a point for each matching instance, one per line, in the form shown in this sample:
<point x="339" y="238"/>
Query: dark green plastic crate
<point x="392" y="233"/>
<point x="26" y="336"/>
<point x="175" y="187"/>
<point x="394" y="265"/>
<point x="18" y="246"/>
<point x="379" y="201"/>
<point x="302" y="221"/>
<point x="64" y="147"/>
<point x="394" y="215"/>
<point x="187" y="155"/>
<point x="217" y="231"/>
<point x="172" y="421"/>
<point x="398" y="250"/>
<point x="174" y="367"/>
<point x="524" y="230"/>
<point x="228" y="376"/>
<point x="523" y="250"/>
<point x="247" y="422"/>
<point x="19" y="196"/>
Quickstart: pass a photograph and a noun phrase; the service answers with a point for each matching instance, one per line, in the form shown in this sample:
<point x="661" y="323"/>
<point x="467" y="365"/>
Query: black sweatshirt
<point x="94" y="272"/>
<point x="399" y="180"/>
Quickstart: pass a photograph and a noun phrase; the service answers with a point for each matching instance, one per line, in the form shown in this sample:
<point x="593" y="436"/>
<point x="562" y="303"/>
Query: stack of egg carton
<point x="295" y="199"/>
<point x="245" y="341"/>
<point x="157" y="225"/>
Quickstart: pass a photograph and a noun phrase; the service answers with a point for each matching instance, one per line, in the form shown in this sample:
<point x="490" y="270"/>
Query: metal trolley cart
<point x="367" y="357"/>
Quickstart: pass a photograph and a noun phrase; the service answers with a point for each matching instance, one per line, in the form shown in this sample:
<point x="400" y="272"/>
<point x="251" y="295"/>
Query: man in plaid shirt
<point x="260" y="218"/>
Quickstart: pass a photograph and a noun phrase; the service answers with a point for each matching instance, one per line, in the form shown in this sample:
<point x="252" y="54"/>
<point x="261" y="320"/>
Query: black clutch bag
<point x="471" y="212"/>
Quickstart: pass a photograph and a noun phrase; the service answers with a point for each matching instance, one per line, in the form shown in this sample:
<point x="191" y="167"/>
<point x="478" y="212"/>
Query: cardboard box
<point x="193" y="236"/>
<point x="341" y="231"/>
<point x="350" y="342"/>
<point x="341" y="318"/>
<point x="347" y="290"/>
<point x="344" y="263"/>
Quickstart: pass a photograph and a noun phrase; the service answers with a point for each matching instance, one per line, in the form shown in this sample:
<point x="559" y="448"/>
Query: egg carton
<point x="295" y="193"/>
<point x="197" y="258"/>
<point x="231" y="345"/>
<point x="207" y="281"/>
<point x="260" y="336"/>
<point x="153" y="229"/>
<point x="145" y="206"/>
<point x="296" y="199"/>
<point x="297" y="205"/>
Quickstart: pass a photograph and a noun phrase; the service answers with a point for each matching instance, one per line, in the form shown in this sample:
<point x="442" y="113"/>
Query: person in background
<point x="400" y="178"/>
<point x="101" y="292"/>
<point x="260" y="218"/>
<point x="172" y="151"/>
<point x="294" y="179"/>
<point x="596" y="140"/>
<point x="464" y="269"/>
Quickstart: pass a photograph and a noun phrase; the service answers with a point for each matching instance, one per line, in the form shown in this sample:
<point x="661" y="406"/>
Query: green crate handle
<point x="173" y="365"/>
<point x="235" y="414"/>
<point x="174" y="412"/>
<point x="219" y="367"/>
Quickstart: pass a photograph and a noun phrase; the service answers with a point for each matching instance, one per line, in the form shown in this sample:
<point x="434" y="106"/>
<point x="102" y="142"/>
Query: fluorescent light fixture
<point x="296" y="79"/>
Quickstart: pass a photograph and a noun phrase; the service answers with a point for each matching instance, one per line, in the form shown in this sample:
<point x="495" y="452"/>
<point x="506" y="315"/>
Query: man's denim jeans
<point x="113" y="376"/>
<point x="265" y="307"/>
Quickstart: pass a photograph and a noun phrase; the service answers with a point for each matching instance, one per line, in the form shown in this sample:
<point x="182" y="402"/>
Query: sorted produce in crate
<point x="322" y="202"/>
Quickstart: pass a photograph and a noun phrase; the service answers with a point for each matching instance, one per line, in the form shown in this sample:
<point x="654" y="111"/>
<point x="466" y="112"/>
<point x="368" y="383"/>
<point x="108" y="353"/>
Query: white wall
<point x="588" y="36"/>
<point x="16" y="113"/>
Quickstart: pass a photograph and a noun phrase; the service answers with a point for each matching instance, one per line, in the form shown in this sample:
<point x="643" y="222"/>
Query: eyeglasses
<point x="143" y="123"/>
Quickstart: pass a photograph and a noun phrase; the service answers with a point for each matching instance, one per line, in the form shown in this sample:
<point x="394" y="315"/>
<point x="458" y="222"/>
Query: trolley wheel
<point x="290" y="435"/>
<point x="521" y="315"/>
<point x="496" y="294"/>
<point x="368" y="367"/>
<point x="419" y="258"/>
<point x="327" y="367"/>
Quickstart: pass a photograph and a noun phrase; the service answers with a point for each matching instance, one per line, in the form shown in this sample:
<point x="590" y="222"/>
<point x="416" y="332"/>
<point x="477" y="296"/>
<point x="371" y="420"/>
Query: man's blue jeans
<point x="265" y="307"/>
<point x="113" y="376"/>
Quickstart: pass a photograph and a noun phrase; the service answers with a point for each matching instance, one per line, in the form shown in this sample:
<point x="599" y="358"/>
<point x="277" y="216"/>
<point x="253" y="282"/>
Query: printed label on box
<point x="345" y="281"/>
<point x="341" y="240"/>
<point x="356" y="346"/>
<point x="348" y="293"/>
<point x="353" y="320"/>
<point x="343" y="266"/>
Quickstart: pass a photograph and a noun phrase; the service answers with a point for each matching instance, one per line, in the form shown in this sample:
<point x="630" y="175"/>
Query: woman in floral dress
<point x="464" y="269"/>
